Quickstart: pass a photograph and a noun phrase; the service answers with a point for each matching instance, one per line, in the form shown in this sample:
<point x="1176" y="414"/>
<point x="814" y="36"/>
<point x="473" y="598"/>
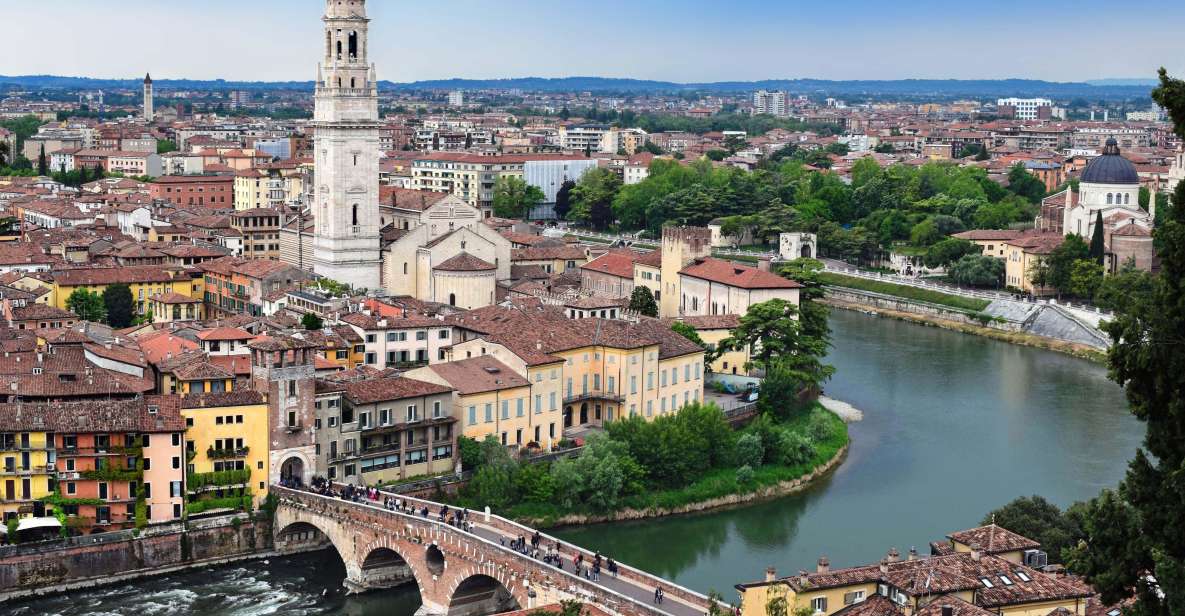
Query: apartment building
<point x="472" y="177"/>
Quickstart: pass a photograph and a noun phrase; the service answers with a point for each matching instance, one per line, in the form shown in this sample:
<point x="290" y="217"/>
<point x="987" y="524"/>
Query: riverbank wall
<point x="50" y="567"/>
<point x="784" y="488"/>
<point x="1005" y="330"/>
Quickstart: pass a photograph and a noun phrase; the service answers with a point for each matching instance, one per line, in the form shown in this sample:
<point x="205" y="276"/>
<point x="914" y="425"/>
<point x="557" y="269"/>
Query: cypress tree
<point x="42" y="162"/>
<point x="1096" y="240"/>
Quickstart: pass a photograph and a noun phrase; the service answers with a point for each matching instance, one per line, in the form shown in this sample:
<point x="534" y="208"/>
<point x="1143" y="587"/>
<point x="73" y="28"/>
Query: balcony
<point x="607" y="396"/>
<point x="222" y="454"/>
<point x="293" y="428"/>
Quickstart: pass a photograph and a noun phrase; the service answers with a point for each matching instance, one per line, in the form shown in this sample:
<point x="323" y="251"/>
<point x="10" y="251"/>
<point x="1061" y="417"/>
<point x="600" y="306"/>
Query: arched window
<point x="1127" y="199"/>
<point x="1110" y="199"/>
<point x="339" y="50"/>
<point x="353" y="45"/>
<point x="452" y="299"/>
<point x="339" y="82"/>
<point x="355" y="214"/>
<point x="405" y="269"/>
<point x="328" y="43"/>
<point x="354" y="84"/>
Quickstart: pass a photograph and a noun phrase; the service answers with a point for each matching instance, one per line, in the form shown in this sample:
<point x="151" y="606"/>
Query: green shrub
<point x="819" y="428"/>
<point x="745" y="474"/>
<point x="750" y="451"/>
<point x="794" y="449"/>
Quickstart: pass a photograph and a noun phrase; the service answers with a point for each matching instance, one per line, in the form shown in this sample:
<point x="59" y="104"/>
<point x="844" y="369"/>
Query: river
<point x="954" y="426"/>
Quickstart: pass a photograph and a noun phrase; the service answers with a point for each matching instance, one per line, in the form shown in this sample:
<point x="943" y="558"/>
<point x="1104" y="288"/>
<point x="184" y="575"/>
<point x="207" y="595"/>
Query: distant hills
<point x="1094" y="90"/>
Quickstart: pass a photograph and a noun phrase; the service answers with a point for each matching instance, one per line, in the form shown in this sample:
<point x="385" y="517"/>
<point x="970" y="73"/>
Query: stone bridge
<point x="460" y="573"/>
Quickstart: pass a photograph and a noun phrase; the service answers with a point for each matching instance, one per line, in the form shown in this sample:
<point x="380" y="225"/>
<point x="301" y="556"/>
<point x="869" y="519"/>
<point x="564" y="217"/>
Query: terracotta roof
<point x="988" y="234"/>
<point x="114" y="275"/>
<point x="173" y="297"/>
<point x="238" y="397"/>
<point x="736" y="275"/>
<point x="465" y="262"/>
<point x="994" y="539"/>
<point x="200" y="370"/>
<point x="41" y="312"/>
<point x="398" y="388"/>
<point x="541" y="253"/>
<point x="707" y="322"/>
<point x="149" y="414"/>
<point x="225" y="333"/>
<point x="479" y="375"/>
<point x="1040" y="243"/>
<point x="619" y="263"/>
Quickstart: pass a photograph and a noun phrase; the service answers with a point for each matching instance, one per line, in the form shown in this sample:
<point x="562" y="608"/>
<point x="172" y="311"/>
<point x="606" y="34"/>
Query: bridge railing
<point x="642" y="607"/>
<point x="514" y="529"/>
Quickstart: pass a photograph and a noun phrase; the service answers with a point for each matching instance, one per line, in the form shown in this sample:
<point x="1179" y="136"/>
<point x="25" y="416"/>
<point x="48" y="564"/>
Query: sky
<point x="669" y="40"/>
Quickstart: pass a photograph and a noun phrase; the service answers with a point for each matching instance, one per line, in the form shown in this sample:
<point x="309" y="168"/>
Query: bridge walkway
<point x="629" y="582"/>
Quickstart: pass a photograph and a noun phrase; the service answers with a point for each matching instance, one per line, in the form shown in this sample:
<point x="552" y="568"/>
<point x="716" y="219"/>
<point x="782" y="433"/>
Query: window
<point x="1023" y="576"/>
<point x="819" y="605"/>
<point x="413" y="413"/>
<point x="987" y="583"/>
<point x="443" y="335"/>
<point x="436" y="413"/>
<point x="853" y="597"/>
<point x="518" y="407"/>
<point x="489" y="412"/>
<point x="473" y="415"/>
<point x="1004" y="578"/>
<point x="551" y="401"/>
<point x="506" y="409"/>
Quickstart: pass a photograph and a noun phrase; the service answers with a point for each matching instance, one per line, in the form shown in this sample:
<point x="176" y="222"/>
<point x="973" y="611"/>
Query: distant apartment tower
<point x="769" y="103"/>
<point x="456" y="98"/>
<point x="149" y="112"/>
<point x="1025" y="108"/>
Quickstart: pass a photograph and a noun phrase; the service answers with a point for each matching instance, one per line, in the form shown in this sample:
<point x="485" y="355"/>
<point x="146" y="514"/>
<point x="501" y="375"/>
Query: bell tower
<point x="346" y="132"/>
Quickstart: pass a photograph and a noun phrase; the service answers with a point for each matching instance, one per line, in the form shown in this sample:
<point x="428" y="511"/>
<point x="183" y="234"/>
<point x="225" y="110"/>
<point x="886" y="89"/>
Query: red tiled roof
<point x="465" y="262"/>
<point x="478" y="375"/>
<point x="149" y="414"/>
<point x="398" y="388"/>
<point x="619" y="263"/>
<point x="736" y="275"/>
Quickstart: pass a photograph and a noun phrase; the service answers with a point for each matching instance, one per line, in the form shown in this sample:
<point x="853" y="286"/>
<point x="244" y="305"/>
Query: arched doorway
<point x="481" y="594"/>
<point x="583" y="413"/>
<point x="808" y="251"/>
<point x="567" y="417"/>
<point x="292" y="471"/>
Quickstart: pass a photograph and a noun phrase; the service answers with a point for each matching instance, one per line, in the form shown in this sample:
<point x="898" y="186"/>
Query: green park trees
<point x="120" y="305"/>
<point x="592" y="199"/>
<point x="977" y="270"/>
<point x="514" y="197"/>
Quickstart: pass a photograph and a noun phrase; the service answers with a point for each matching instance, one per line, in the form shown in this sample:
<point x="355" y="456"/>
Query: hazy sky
<point x="677" y="40"/>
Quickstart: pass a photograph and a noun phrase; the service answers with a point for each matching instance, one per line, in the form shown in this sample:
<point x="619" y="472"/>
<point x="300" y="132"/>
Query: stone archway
<point x="482" y="594"/>
<point x="292" y="469"/>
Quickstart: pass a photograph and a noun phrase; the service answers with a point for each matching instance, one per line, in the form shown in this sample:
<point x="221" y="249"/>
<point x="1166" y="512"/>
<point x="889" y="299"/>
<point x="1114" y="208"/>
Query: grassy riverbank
<point x="724" y="485"/>
<point x="904" y="291"/>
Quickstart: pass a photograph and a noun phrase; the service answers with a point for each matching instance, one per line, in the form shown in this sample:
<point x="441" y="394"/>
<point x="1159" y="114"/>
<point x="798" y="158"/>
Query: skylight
<point x="987" y="583"/>
<point x="1024" y="577"/>
<point x="1004" y="578"/>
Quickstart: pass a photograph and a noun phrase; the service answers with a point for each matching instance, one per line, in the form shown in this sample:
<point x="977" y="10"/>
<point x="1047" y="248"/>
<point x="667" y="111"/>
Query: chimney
<point x="976" y="552"/>
<point x="913" y="553"/>
<point x="884" y="566"/>
<point x="771" y="574"/>
<point x="893" y="556"/>
<point x="824" y="565"/>
<point x="763" y="265"/>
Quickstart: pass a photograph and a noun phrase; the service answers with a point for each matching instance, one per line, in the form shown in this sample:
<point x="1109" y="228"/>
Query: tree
<point x="1061" y="262"/>
<point x="311" y="321"/>
<point x="772" y="329"/>
<point x="5" y="151"/>
<point x="592" y="199"/>
<point x="563" y="199"/>
<point x="688" y="332"/>
<point x="812" y="312"/>
<point x="164" y="146"/>
<point x="42" y="162"/>
<point x="948" y="251"/>
<point x="1147" y="359"/>
<point x="514" y="197"/>
<point x="653" y="148"/>
<point x="1121" y="289"/>
<point x="88" y="305"/>
<point x="1025" y="184"/>
<point x="1086" y="276"/>
<point x="977" y="270"/>
<point x="1096" y="239"/>
<point x="120" y="305"/>
<point x="642" y="301"/>
<point x="983" y="154"/>
<point x="1039" y="520"/>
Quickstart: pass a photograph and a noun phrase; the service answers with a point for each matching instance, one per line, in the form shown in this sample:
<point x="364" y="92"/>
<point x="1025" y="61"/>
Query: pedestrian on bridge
<point x="612" y="567"/>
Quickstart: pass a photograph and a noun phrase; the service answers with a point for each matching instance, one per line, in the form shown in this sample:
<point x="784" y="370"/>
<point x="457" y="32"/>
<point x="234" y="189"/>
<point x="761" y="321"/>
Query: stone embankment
<point x="846" y="412"/>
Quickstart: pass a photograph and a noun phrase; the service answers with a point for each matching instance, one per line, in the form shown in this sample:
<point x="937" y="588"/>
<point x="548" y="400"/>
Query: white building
<point x="1026" y="108"/>
<point x="456" y="98"/>
<point x="550" y="175"/>
<point x="769" y="103"/>
<point x="1177" y="172"/>
<point x="346" y="120"/>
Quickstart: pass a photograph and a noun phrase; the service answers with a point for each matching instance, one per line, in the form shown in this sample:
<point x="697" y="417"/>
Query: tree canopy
<point x="120" y="305"/>
<point x="514" y="197"/>
<point x="88" y="305"/>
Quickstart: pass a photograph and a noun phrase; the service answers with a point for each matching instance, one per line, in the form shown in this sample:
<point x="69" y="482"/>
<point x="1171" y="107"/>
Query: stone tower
<point x="346" y="125"/>
<point x="149" y="112"/>
<point x="282" y="369"/>
<point x="680" y="246"/>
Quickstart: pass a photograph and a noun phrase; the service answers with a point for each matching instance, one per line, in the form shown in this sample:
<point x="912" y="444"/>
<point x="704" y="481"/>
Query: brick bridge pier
<point x="459" y="573"/>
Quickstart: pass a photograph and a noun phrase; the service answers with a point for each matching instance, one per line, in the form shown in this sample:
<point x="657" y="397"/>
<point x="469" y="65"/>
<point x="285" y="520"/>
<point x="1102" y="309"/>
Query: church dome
<point x="1110" y="168"/>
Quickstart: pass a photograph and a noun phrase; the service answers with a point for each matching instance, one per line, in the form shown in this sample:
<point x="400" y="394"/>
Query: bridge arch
<point x="490" y="592"/>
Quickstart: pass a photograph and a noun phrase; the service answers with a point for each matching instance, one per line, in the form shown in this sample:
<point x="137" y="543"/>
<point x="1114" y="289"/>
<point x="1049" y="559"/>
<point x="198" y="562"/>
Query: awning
<point x="31" y="523"/>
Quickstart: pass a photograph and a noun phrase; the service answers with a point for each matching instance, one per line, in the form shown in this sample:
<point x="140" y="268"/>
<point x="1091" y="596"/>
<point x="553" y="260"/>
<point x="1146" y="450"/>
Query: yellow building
<point x="199" y="377"/>
<point x="598" y="370"/>
<point x="143" y="281"/>
<point x="491" y="399"/>
<point x="267" y="187"/>
<point x="680" y="247"/>
<point x="227" y="432"/>
<point x="26" y="474"/>
<point x="1023" y="255"/>
<point x="648" y="273"/>
<point x="962" y="572"/>
<point x="175" y="308"/>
